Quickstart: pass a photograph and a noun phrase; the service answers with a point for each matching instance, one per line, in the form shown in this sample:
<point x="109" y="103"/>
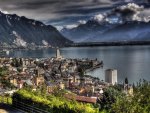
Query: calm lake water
<point x="132" y="62"/>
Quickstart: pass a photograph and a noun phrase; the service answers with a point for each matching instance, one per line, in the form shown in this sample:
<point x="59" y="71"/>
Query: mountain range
<point x="93" y="31"/>
<point x="23" y="32"/>
<point x="124" y="23"/>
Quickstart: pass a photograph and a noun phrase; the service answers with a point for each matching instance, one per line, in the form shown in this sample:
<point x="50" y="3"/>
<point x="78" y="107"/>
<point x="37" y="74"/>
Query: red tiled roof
<point x="81" y="98"/>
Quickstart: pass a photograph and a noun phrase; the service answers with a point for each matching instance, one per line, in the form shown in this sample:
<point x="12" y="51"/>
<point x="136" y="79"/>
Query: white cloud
<point x="131" y="6"/>
<point x="5" y="12"/>
<point x="71" y="26"/>
<point x="136" y="12"/>
<point x="129" y="12"/>
<point x="99" y="18"/>
<point x="82" y="22"/>
<point x="59" y="28"/>
<point x="118" y="15"/>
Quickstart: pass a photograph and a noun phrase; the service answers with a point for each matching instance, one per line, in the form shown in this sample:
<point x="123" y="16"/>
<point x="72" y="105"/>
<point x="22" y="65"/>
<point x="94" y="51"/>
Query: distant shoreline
<point x="86" y="44"/>
<point x="122" y="43"/>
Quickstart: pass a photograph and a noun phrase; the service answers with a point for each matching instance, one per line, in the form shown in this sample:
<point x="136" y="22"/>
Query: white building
<point x="111" y="76"/>
<point x="58" y="55"/>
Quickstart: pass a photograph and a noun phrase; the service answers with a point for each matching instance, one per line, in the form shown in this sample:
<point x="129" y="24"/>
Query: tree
<point x="138" y="103"/>
<point x="7" y="84"/>
<point x="126" y="80"/>
<point x="3" y="71"/>
<point x="110" y="96"/>
<point x="15" y="62"/>
<point x="133" y="86"/>
<point x="43" y="90"/>
<point x="81" y="71"/>
<point x="20" y="61"/>
<point x="81" y="74"/>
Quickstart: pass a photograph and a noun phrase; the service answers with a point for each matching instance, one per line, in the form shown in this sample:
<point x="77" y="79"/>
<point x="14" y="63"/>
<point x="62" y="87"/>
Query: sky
<point x="63" y="12"/>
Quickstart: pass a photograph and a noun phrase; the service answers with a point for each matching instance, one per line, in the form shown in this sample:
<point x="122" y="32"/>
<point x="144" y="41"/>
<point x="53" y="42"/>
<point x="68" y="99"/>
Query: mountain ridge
<point x="22" y="32"/>
<point x="131" y="31"/>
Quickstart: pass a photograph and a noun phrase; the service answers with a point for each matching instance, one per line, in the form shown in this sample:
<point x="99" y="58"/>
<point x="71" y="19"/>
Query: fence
<point x="20" y="105"/>
<point x="27" y="108"/>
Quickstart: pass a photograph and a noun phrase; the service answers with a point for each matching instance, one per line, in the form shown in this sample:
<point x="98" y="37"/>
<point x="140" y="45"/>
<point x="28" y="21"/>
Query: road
<point x="8" y="109"/>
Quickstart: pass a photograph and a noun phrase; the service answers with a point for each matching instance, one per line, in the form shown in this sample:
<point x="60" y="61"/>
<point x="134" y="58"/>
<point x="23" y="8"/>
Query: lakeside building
<point x="111" y="76"/>
<point x="58" y="55"/>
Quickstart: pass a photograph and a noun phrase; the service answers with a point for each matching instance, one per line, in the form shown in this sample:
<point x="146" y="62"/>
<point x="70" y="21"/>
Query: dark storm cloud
<point x="83" y="11"/>
<point x="34" y="5"/>
<point x="53" y="10"/>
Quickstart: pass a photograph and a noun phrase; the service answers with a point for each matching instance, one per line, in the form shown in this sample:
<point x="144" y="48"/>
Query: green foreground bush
<point x="52" y="103"/>
<point x="138" y="103"/>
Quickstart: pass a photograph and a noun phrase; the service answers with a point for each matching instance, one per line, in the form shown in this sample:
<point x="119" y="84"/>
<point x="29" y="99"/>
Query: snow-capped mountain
<point x="123" y="23"/>
<point x="21" y="32"/>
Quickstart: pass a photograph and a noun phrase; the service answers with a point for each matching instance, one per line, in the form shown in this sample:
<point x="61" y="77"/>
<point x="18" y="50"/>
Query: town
<point x="56" y="73"/>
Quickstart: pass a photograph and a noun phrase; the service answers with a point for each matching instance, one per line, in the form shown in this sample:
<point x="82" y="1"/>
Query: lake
<point x="132" y="62"/>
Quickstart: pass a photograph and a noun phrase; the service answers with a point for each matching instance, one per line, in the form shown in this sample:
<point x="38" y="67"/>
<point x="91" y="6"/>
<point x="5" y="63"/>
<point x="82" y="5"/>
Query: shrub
<point x="53" y="103"/>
